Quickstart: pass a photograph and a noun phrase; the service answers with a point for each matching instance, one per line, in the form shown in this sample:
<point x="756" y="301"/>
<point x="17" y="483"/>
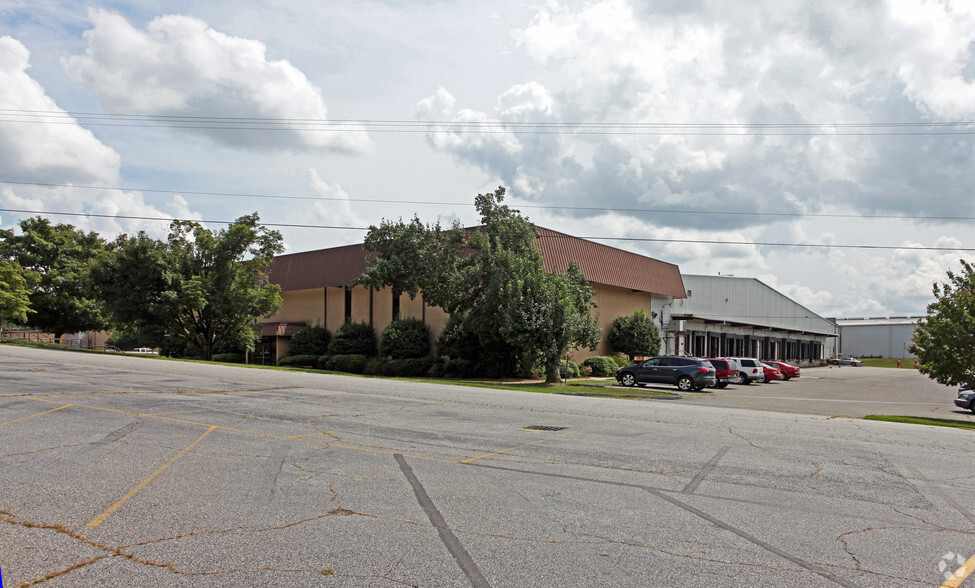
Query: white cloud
<point x="179" y="66"/>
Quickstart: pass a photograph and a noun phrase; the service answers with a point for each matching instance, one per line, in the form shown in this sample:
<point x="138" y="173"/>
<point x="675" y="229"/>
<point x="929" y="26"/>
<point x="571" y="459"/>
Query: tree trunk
<point x="552" y="373"/>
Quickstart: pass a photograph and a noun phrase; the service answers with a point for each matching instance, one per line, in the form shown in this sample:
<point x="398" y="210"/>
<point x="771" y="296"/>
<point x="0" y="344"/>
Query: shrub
<point x="569" y="369"/>
<point x="621" y="361"/>
<point x="299" y="360"/>
<point x="354" y="339"/>
<point x="436" y="368"/>
<point x="322" y="362"/>
<point x="352" y="363"/>
<point x="374" y="366"/>
<point x="601" y="365"/>
<point x="228" y="357"/>
<point x="635" y="335"/>
<point x="406" y="338"/>
<point x="409" y="367"/>
<point x="458" y="368"/>
<point x="310" y="341"/>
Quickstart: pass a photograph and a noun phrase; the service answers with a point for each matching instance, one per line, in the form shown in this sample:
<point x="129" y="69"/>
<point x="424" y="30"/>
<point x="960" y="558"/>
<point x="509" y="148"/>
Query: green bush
<point x="228" y="358"/>
<point x="410" y="367"/>
<point x="352" y="363"/>
<point x="569" y="369"/>
<point x="458" y="368"/>
<point x="374" y="366"/>
<point x="405" y="338"/>
<point x="299" y="360"/>
<point x="354" y="339"/>
<point x="436" y="368"/>
<point x="621" y="361"/>
<point x="310" y="341"/>
<point x="322" y="362"/>
<point x="601" y="365"/>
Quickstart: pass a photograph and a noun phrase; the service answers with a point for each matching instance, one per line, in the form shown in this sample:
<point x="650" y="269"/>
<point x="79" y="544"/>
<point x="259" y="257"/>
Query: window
<point x="348" y="304"/>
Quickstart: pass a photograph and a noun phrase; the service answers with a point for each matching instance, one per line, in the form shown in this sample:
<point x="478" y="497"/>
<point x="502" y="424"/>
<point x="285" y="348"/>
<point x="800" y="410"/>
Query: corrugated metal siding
<point x="600" y="264"/>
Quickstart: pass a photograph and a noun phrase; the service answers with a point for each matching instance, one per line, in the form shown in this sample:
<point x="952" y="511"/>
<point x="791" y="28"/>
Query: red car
<point x="724" y="370"/>
<point x="788" y="371"/>
<point x="771" y="372"/>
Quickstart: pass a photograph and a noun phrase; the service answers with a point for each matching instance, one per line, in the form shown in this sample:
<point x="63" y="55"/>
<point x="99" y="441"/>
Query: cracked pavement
<point x="143" y="472"/>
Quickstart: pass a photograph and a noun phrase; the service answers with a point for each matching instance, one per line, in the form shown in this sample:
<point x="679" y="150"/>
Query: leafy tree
<point x="202" y="289"/>
<point x="56" y="260"/>
<point x="14" y="293"/>
<point x="493" y="284"/>
<point x="635" y="335"/>
<point x="406" y="339"/>
<point x="944" y="340"/>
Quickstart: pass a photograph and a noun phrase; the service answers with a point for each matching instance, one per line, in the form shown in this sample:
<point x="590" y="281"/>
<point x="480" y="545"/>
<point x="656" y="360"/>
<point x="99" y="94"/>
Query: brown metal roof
<point x="601" y="264"/>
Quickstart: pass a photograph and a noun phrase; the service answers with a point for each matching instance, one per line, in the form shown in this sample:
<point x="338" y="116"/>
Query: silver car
<point x="846" y="361"/>
<point x="966" y="397"/>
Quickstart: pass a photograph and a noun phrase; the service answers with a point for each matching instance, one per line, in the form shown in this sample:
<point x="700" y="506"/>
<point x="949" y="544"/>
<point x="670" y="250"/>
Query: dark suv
<point x="687" y="373"/>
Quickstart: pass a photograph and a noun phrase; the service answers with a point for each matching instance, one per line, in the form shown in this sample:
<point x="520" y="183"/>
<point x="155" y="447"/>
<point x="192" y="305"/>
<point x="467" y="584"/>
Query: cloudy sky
<point x="737" y="138"/>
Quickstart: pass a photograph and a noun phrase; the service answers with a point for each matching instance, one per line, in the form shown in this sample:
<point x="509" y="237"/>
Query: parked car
<point x="144" y="351"/>
<point x="771" y="372"/>
<point x="788" y="371"/>
<point x="966" y="397"/>
<point x="725" y="370"/>
<point x="687" y="373"/>
<point x="845" y="361"/>
<point x="749" y="370"/>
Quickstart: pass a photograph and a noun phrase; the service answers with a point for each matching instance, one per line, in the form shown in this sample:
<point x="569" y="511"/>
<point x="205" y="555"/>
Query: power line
<point x="10" y="115"/>
<point x="526" y="206"/>
<point x="630" y="239"/>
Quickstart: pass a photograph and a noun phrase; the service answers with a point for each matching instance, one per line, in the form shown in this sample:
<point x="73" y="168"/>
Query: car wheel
<point x="971" y="407"/>
<point x="685" y="384"/>
<point x="722" y="384"/>
<point x="628" y="379"/>
<point x="784" y="377"/>
<point x="745" y="380"/>
<point x="640" y="384"/>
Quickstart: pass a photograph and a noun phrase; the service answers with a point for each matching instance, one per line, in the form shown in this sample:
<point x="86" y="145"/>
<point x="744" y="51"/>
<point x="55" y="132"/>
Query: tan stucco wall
<point x="612" y="302"/>
<point x="306" y="306"/>
<point x="334" y="308"/>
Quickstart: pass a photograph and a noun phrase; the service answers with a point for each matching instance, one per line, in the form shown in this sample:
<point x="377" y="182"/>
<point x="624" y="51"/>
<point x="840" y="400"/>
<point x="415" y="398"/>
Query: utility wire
<point x="518" y="206"/>
<point x="629" y="239"/>
<point x="10" y="115"/>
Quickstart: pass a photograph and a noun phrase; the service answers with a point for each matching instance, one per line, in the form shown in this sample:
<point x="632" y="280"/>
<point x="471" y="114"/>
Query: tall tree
<point x="57" y="260"/>
<point x="492" y="282"/>
<point x="201" y="288"/>
<point x="944" y="340"/>
<point x="14" y="293"/>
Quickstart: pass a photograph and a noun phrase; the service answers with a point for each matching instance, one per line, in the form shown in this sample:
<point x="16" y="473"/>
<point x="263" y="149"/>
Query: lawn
<point x="922" y="421"/>
<point x="887" y="362"/>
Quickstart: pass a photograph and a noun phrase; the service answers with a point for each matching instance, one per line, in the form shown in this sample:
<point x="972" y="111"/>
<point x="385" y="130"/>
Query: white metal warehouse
<point x="875" y="337"/>
<point x="743" y="317"/>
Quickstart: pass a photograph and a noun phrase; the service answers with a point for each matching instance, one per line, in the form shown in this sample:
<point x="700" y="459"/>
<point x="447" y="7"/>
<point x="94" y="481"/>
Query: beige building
<point x="314" y="286"/>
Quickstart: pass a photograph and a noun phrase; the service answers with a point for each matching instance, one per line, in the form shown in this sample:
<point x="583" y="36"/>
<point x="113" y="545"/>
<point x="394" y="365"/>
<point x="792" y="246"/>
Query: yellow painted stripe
<point x="248" y="432"/>
<point x="34" y="415"/>
<point x="516" y="447"/>
<point x="961" y="574"/>
<point x="143" y="484"/>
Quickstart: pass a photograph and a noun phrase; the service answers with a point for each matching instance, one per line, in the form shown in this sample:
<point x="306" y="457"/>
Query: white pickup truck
<point x="144" y="351"/>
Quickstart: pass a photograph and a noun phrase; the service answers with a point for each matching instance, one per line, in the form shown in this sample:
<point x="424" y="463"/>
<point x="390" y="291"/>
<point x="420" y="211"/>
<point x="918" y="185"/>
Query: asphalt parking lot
<point x="842" y="391"/>
<point x="123" y="471"/>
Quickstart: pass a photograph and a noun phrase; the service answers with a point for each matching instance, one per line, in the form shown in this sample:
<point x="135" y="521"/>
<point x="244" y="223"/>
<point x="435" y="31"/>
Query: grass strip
<point x="970" y="426"/>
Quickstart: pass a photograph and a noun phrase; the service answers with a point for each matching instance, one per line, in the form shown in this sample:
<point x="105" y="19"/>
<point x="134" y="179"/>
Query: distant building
<point x="875" y="337"/>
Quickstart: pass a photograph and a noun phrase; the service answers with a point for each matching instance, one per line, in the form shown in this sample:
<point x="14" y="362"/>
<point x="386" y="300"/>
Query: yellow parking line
<point x="142" y="484"/>
<point x="961" y="574"/>
<point x="516" y="447"/>
<point x="34" y="415"/>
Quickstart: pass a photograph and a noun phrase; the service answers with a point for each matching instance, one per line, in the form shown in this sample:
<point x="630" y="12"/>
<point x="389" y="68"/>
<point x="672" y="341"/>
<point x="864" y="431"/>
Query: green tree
<point x="944" y="340"/>
<point x="635" y="335"/>
<point x="201" y="289"/>
<point x="14" y="293"/>
<point x="493" y="284"/>
<point x="56" y="260"/>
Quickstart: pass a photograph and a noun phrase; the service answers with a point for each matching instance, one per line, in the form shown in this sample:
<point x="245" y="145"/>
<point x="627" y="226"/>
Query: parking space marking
<point x="35" y="415"/>
<point x="249" y="432"/>
<point x="516" y="447"/>
<point x="961" y="574"/>
<point x="101" y="518"/>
